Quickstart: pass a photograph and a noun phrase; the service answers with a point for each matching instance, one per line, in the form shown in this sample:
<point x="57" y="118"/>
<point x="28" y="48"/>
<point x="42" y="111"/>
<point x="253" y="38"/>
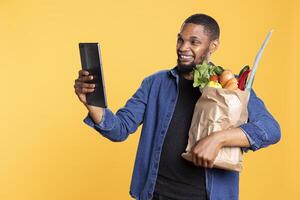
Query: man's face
<point x="192" y="46"/>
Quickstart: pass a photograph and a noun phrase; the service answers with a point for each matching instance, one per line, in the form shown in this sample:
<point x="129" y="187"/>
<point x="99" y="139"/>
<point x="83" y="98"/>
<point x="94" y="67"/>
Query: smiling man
<point x="164" y="104"/>
<point x="196" y="42"/>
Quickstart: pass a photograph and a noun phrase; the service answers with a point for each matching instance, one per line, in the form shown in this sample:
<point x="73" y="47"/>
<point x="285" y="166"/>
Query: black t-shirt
<point x="178" y="178"/>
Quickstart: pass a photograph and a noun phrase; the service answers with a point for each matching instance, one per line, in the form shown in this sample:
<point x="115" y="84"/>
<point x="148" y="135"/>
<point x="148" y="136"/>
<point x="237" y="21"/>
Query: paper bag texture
<point x="219" y="109"/>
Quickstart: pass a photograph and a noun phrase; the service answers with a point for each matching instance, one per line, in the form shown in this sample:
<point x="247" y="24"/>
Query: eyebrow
<point x="195" y="37"/>
<point x="192" y="37"/>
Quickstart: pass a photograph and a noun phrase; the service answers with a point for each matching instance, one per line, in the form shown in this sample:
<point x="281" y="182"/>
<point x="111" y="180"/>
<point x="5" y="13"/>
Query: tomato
<point x="214" y="78"/>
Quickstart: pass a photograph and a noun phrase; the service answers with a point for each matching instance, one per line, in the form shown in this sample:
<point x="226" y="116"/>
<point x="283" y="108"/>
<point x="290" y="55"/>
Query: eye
<point x="195" y="42"/>
<point x="179" y="40"/>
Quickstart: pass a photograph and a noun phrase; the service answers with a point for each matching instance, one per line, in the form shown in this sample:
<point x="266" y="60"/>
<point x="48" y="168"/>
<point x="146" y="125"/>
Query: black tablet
<point x="91" y="62"/>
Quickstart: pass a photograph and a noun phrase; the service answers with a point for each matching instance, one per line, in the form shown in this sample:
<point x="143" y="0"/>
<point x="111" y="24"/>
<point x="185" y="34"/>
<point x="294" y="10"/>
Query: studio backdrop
<point x="48" y="153"/>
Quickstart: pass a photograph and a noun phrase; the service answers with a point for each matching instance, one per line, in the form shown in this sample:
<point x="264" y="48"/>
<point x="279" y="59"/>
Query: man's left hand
<point x="205" y="151"/>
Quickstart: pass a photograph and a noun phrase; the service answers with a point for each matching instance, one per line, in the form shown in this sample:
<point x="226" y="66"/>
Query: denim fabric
<point x="152" y="105"/>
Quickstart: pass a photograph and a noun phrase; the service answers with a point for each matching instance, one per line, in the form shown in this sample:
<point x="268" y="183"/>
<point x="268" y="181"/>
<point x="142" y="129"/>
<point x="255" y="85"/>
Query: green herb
<point x="203" y="72"/>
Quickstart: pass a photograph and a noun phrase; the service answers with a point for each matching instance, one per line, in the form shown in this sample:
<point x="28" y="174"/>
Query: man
<point x="164" y="104"/>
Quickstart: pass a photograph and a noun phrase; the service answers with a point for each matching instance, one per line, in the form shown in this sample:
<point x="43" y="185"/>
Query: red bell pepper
<point x="243" y="79"/>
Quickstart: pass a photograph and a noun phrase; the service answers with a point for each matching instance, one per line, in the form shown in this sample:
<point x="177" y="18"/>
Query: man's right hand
<point x="82" y="88"/>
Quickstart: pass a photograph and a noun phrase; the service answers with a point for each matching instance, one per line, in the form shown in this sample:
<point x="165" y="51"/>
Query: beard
<point x="185" y="68"/>
<point x="190" y="67"/>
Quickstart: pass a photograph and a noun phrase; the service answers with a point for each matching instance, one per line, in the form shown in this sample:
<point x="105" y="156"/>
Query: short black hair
<point x="209" y="23"/>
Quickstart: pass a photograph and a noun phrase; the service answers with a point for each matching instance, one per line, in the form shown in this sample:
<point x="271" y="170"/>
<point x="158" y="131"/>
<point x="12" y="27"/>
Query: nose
<point x="184" y="46"/>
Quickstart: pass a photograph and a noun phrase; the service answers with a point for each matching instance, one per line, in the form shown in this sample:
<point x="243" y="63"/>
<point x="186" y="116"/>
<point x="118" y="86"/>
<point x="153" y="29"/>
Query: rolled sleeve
<point x="105" y="124"/>
<point x="251" y="142"/>
<point x="261" y="129"/>
<point x="246" y="128"/>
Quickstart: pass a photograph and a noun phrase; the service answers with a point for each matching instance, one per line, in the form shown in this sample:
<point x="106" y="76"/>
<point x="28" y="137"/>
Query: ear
<point x="214" y="46"/>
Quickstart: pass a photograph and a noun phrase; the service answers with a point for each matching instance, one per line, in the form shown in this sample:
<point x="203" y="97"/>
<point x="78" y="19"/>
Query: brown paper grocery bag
<point x="219" y="109"/>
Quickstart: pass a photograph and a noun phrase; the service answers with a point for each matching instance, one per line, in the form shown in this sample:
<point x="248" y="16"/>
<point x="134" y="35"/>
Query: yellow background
<point x="48" y="153"/>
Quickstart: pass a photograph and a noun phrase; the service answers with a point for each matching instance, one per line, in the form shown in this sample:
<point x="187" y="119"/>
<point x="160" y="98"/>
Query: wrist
<point x="220" y="138"/>
<point x="96" y="113"/>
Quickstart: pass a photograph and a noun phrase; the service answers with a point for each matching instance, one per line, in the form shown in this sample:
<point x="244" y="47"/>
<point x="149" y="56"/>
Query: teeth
<point x="185" y="57"/>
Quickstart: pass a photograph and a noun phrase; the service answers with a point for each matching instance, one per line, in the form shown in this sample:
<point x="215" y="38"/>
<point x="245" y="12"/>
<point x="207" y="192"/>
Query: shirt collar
<point x="174" y="72"/>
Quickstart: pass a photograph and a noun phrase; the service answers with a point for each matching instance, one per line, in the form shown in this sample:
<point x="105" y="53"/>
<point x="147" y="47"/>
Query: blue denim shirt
<point x="153" y="105"/>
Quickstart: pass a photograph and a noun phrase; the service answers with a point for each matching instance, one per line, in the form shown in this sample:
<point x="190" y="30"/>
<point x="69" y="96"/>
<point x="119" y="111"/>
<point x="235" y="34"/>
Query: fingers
<point x="85" y="78"/>
<point x="84" y="85"/>
<point x="201" y="161"/>
<point x="84" y="90"/>
<point x="79" y="90"/>
<point x="81" y="86"/>
<point x="211" y="164"/>
<point x="205" y="163"/>
<point x="83" y="73"/>
<point x="196" y="159"/>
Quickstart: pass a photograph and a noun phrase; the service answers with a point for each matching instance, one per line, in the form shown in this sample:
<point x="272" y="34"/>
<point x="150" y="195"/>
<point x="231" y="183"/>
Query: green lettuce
<point x="203" y="72"/>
